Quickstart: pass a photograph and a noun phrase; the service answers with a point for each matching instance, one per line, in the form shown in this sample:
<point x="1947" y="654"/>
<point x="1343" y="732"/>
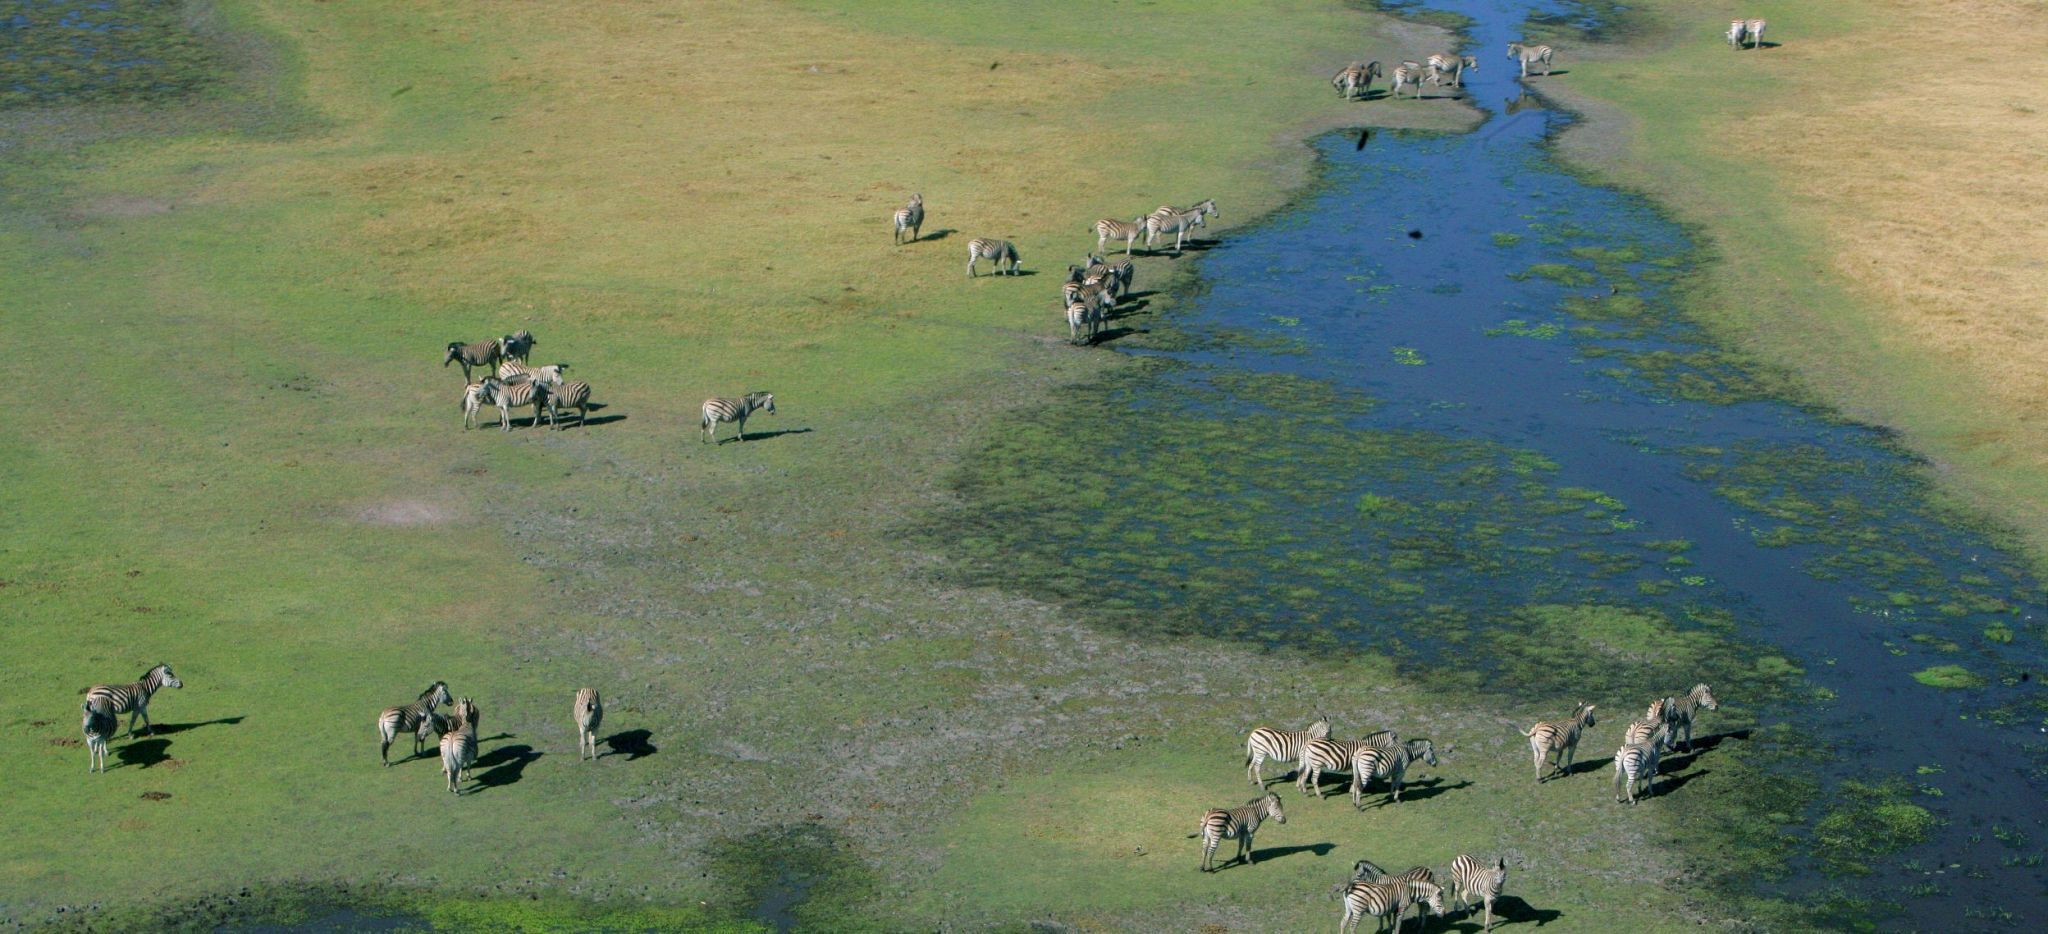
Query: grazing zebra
<point x="484" y="354"/>
<point x="1444" y="63"/>
<point x="1679" y="713"/>
<point x="1633" y="763"/>
<point x="1409" y="74"/>
<point x="1560" y="737"/>
<point x="909" y="217"/>
<point x="1531" y="53"/>
<point x="1382" y="900"/>
<point x="418" y="718"/>
<point x="1177" y="224"/>
<point x="1389" y="762"/>
<point x="589" y="716"/>
<point x="1473" y="880"/>
<point x="721" y="409"/>
<point x="1080" y="315"/>
<point x="574" y="394"/>
<point x="1754" y="29"/>
<point x="133" y="699"/>
<point x="458" y="745"/>
<point x="1236" y="824"/>
<point x="1108" y="229"/>
<point x="1333" y="755"/>
<point x="517" y="345"/>
<point x="1279" y="745"/>
<point x="1356" y="81"/>
<point x="999" y="253"/>
<point x="99" y="723"/>
<point x="1123" y="273"/>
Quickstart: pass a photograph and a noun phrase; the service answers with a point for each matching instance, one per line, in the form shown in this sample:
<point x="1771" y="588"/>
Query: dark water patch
<point x="800" y="877"/>
<point x="65" y="52"/>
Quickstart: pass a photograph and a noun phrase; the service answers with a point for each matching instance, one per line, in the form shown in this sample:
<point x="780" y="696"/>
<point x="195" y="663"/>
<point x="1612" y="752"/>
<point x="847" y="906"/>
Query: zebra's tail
<point x="1528" y="732"/>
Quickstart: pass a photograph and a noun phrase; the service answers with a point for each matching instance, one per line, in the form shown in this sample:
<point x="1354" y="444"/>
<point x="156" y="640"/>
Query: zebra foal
<point x="573" y="394"/>
<point x="589" y="716"/>
<point x="909" y="217"/>
<point x="417" y="718"/>
<point x="133" y="698"/>
<point x="1409" y="74"/>
<point x="99" y="725"/>
<point x="1559" y="737"/>
<point x="1236" y="824"/>
<point x="1279" y="745"/>
<point x="1472" y="880"/>
<point x="722" y="409"/>
<point x="1531" y="53"/>
<point x="999" y="253"/>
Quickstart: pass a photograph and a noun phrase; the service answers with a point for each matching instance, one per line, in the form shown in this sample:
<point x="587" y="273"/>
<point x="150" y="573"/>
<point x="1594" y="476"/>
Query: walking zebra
<point x="418" y="718"/>
<point x="1236" y="824"/>
<point x="1356" y="81"/>
<point x="458" y="745"/>
<point x="574" y="394"/>
<point x="1679" y="713"/>
<point x="1531" y="53"/>
<point x="98" y="724"/>
<point x="1080" y="315"/>
<point x="589" y="716"/>
<point x="1122" y="273"/>
<point x="999" y="253"/>
<point x="1177" y="223"/>
<point x="1206" y="207"/>
<point x="1633" y="763"/>
<point x="1387" y="899"/>
<point x="509" y="396"/>
<point x="721" y="409"/>
<point x="1279" y="745"/>
<point x="133" y="699"/>
<point x="1473" y="880"/>
<point x="1754" y="29"/>
<point x="1108" y="229"/>
<point x="484" y="354"/>
<point x="1560" y="737"/>
<point x="1651" y="728"/>
<point x="1444" y="63"/>
<point x="517" y="345"/>
<point x="1409" y="74"/>
<point x="1389" y="762"/>
<point x="909" y="217"/>
<point x="1333" y="755"/>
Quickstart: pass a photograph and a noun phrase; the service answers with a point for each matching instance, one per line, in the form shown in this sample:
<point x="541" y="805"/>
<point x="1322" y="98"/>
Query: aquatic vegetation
<point x="1408" y="356"/>
<point x="61" y="53"/>
<point x="1516" y="327"/>
<point x="1948" y="676"/>
<point x="1560" y="273"/>
<point x="1866" y="821"/>
<point x="1506" y="239"/>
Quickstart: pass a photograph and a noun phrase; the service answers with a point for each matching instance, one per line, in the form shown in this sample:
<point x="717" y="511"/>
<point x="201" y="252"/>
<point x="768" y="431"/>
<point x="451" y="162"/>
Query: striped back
<point x="1284" y="745"/>
<point x="1238" y="821"/>
<point x="1112" y="229"/>
<point x="1472" y="879"/>
<point x="589" y="710"/>
<point x="998" y="251"/>
<point x="1633" y="763"/>
<point x="574" y="394"/>
<point x="480" y="353"/>
<point x="1557" y="734"/>
<point x="1388" y="898"/>
<point x="412" y="716"/>
<point x="725" y="409"/>
<point x="1406" y="74"/>
<point x="122" y="698"/>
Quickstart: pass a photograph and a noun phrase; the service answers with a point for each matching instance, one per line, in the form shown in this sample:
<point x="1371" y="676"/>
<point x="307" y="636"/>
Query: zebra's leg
<point x="1208" y="852"/>
<point x="742" y="426"/>
<point x="142" y="707"/>
<point x="1244" y="847"/>
<point x="970" y="265"/>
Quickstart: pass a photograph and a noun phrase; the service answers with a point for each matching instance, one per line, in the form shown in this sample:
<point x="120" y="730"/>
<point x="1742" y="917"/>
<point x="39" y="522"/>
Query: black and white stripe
<point x="1387" y="899"/>
<point x="485" y="354"/>
<point x="1083" y="314"/>
<point x="1387" y="761"/>
<point x="458" y="745"/>
<point x="1238" y="824"/>
<point x="1108" y="229"/>
<point x="98" y="724"/>
<point x="1279" y="745"/>
<point x="1472" y="880"/>
<point x="1356" y="81"/>
<point x="509" y="396"/>
<point x="1445" y="63"/>
<point x="1633" y="763"/>
<point x="517" y="345"/>
<point x="1333" y="755"/>
<point x="1680" y="711"/>
<point x="574" y="394"/>
<point x="1001" y="254"/>
<point x="133" y="699"/>
<point x="589" y="716"/>
<point x="1560" y="737"/>
<point x="1177" y="223"/>
<point x="1531" y="53"/>
<point x="1409" y="74"/>
<point x="417" y="718"/>
<point x="909" y="217"/>
<point x="724" y="409"/>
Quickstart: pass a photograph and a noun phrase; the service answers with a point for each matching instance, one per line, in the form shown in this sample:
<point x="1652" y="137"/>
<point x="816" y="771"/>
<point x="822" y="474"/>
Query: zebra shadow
<point x="595" y="421"/>
<point x="144" y="753"/>
<point x="1127" y="308"/>
<point x="1507" y="909"/>
<point x="505" y="765"/>
<point x="1107" y="335"/>
<point x="1670" y="783"/>
<point x="764" y="435"/>
<point x="1275" y="852"/>
<point x="633" y="744"/>
<point x="182" y="727"/>
<point x="1582" y="765"/>
<point x="1420" y="791"/>
<point x="939" y="234"/>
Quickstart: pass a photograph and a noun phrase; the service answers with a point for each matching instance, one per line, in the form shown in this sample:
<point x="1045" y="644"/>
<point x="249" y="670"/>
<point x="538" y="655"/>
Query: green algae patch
<point x="66" y="53"/>
<point x="1563" y="274"/>
<point x="1867" y="821"/>
<point x="1948" y="676"/>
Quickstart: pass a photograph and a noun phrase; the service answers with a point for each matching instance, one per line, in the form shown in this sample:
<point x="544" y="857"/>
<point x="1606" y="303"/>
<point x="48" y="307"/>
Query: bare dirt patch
<point x="408" y="513"/>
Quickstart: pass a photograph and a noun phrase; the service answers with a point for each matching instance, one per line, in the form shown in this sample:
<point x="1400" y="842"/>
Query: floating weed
<point x="1408" y="356"/>
<point x="1866" y="821"/>
<point x="1998" y="632"/>
<point x="1284" y="320"/>
<point x="1928" y="770"/>
<point x="1563" y="274"/>
<point x="1948" y="676"/>
<point x="1516" y="327"/>
<point x="1506" y="239"/>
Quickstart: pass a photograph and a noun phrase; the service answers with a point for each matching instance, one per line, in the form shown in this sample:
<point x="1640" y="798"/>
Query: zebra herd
<point x="510" y="382"/>
<point x="1355" y="80"/>
<point x="1385" y="756"/>
<point x="1749" y="32"/>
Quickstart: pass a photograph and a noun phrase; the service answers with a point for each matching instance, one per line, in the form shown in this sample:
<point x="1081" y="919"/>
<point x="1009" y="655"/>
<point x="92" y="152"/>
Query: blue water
<point x="1391" y="279"/>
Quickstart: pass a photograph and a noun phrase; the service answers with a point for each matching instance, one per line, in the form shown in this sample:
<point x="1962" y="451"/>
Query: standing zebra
<point x="1651" y="728"/>
<point x="1408" y="74"/>
<point x="1444" y="63"/>
<point x="1389" y="762"/>
<point x="1080" y="315"/>
<point x="1333" y="755"/>
<point x="574" y="394"/>
<point x="1736" y="30"/>
<point x="474" y="397"/>
<point x="484" y="354"/>
<point x="1679" y="713"/>
<point x="99" y="723"/>
<point x="1531" y="53"/>
<point x="1754" y="29"/>
<point x="458" y="745"/>
<point x="517" y="345"/>
<point x="1108" y="229"/>
<point x="589" y="716"/>
<point x="1177" y="223"/>
<point x="1560" y="737"/>
<point x="998" y="253"/>
<point x="417" y="718"/>
<point x="1206" y="207"/>
<point x="1633" y="763"/>
<point x="910" y="217"/>
<point x="1357" y="80"/>
<point x="1236" y="824"/>
<point x="1386" y="899"/>
<point x="1279" y="745"/>
<point x="722" y="409"/>
<point x="1122" y="273"/>
<point x="1473" y="880"/>
<point x="133" y="699"/>
<point x="509" y="396"/>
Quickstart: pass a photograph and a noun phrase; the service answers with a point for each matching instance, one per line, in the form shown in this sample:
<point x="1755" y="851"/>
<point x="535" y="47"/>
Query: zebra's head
<point x="163" y="674"/>
<point x="1428" y="893"/>
<point x="1270" y="807"/>
<point x="465" y="715"/>
<point x="1422" y="749"/>
<point x="454" y="353"/>
<point x="1366" y="870"/>
<point x="1585" y="715"/>
<point x="1705" y="697"/>
<point x="761" y="401"/>
<point x="1321" y="728"/>
<point x="435" y="695"/>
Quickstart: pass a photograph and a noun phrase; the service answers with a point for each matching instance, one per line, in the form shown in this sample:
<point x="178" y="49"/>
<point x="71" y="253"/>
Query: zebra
<point x="418" y="718"/>
<point x="1409" y="74"/>
<point x="1333" y="755"/>
<point x="589" y="716"/>
<point x="1560" y="737"/>
<point x="1366" y="870"/>
<point x="1177" y="223"/>
<point x="1633" y="763"/>
<point x="133" y="699"/>
<point x="98" y="724"/>
<point x="909" y="217"/>
<point x="998" y="252"/>
<point x="1473" y="880"/>
<point x="574" y="394"/>
<point x="458" y="745"/>
<point x="1080" y="315"/>
<point x="1122" y="274"/>
<point x="512" y="371"/>
<point x="1387" y="899"/>
<point x="1445" y="63"/>
<point x="509" y="396"/>
<point x="1356" y="81"/>
<point x="1236" y="824"/>
<point x="484" y="354"/>
<point x="1108" y="229"/>
<point x="474" y="397"/>
<point x="1206" y="207"/>
<point x="1652" y="729"/>
<point x="1531" y="53"/>
<point x="517" y="345"/>
<point x="1679" y="713"/>
<point x="1754" y="29"/>
<point x="1389" y="762"/>
<point x="1279" y="745"/>
<point x="721" y="409"/>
